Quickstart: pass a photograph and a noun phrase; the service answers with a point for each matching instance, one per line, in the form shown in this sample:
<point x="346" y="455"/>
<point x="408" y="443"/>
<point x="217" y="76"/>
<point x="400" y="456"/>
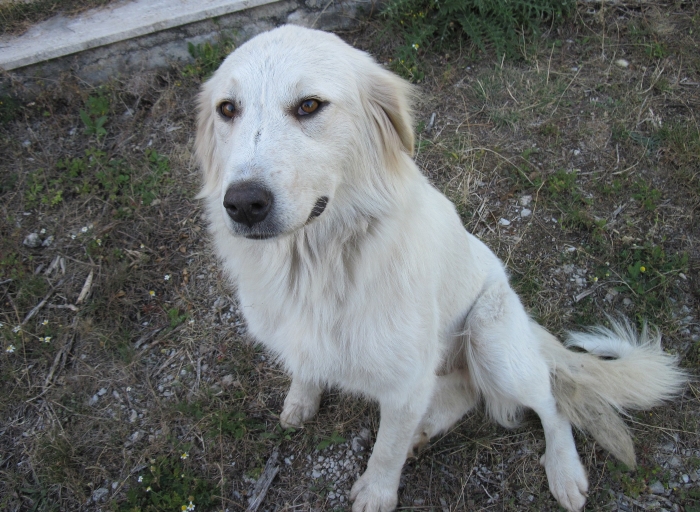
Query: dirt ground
<point x="127" y="381"/>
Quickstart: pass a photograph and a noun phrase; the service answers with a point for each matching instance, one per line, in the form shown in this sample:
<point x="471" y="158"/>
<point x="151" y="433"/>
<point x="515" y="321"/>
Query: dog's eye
<point x="308" y="107"/>
<point x="227" y="109"/>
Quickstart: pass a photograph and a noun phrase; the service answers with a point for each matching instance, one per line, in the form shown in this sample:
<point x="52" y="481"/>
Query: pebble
<point x="32" y="240"/>
<point x="525" y="213"/>
<point x="102" y="392"/>
<point x="49" y="240"/>
<point x="504" y="222"/>
<point x="99" y="494"/>
<point x="525" y="200"/>
<point x="657" y="488"/>
<point x="627" y="302"/>
<point x="622" y="63"/>
<point x="685" y="479"/>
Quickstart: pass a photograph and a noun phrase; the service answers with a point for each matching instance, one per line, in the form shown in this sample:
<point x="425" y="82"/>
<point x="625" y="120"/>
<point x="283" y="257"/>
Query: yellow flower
<point x="184" y="455"/>
<point x="152" y="293"/>
<point x="642" y="269"/>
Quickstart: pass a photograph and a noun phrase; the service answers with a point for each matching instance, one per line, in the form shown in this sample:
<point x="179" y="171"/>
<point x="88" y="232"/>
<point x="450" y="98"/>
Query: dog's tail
<point x="619" y="370"/>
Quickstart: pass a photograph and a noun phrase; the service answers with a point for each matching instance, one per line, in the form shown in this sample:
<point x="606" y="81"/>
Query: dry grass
<point x="130" y="382"/>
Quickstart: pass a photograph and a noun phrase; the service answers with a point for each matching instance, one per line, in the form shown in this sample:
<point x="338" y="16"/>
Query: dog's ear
<point x="205" y="144"/>
<point x="389" y="101"/>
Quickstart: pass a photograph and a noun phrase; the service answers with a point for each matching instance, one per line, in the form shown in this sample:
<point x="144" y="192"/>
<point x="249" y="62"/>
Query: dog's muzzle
<point x="318" y="208"/>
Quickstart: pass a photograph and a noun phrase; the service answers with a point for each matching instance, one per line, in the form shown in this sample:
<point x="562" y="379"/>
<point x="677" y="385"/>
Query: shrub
<point x="500" y="24"/>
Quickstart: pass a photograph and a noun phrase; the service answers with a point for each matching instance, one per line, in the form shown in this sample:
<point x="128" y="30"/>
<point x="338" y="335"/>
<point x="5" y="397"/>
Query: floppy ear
<point x="205" y="144"/>
<point x="388" y="100"/>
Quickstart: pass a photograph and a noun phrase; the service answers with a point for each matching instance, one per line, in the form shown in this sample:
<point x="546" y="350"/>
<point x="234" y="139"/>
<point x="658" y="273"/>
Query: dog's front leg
<point x="301" y="404"/>
<point x="376" y="490"/>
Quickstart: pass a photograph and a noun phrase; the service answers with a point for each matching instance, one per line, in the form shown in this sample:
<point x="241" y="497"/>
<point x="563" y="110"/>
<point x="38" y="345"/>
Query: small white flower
<point x="128" y="388"/>
<point x="84" y="229"/>
<point x="152" y="293"/>
<point x="10" y="349"/>
<point x="47" y="339"/>
<point x="191" y="321"/>
<point x="72" y="237"/>
<point x="16" y="328"/>
<point x="167" y="277"/>
<point x="43" y="231"/>
<point x="184" y="456"/>
<point x="190" y="507"/>
<point x="148" y="489"/>
<point x="140" y="478"/>
<point x="98" y="241"/>
<point x="45" y="322"/>
<point x="142" y="246"/>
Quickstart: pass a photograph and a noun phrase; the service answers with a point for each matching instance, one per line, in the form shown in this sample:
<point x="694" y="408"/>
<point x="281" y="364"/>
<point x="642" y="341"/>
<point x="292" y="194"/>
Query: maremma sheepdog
<point x="355" y="272"/>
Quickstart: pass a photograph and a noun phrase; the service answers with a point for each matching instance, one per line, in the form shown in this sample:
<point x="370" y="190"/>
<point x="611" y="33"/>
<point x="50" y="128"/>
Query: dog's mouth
<point x="260" y="236"/>
<point x="318" y="208"/>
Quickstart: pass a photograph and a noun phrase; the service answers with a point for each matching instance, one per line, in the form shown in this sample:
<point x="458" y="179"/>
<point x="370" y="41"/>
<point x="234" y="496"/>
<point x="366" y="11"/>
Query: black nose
<point x="248" y="203"/>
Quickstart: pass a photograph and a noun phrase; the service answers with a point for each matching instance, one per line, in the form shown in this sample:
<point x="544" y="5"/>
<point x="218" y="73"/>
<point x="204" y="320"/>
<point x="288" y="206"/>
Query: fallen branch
<point x="86" y="287"/>
<point x="263" y="483"/>
<point x="36" y="308"/>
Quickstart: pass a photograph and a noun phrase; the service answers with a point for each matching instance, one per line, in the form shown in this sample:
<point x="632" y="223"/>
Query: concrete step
<point x="133" y="35"/>
<point x="61" y="36"/>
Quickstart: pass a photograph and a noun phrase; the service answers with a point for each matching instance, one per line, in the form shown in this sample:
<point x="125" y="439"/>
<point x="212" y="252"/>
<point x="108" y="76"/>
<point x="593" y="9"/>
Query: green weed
<point x="95" y="115"/>
<point x="207" y="57"/>
<point x="334" y="438"/>
<point x="646" y="194"/>
<point x="168" y="484"/>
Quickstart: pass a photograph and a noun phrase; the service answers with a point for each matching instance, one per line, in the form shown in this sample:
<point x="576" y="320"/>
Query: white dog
<point x="355" y="272"/>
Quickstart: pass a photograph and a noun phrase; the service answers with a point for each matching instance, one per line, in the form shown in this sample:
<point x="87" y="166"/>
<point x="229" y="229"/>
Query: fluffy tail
<point x="620" y="370"/>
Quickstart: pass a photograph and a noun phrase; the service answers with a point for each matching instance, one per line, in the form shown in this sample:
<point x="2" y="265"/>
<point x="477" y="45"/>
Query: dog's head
<point x="290" y="124"/>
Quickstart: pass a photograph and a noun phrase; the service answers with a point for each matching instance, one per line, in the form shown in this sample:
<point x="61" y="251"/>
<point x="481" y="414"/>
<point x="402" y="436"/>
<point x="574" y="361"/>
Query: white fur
<point x="384" y="294"/>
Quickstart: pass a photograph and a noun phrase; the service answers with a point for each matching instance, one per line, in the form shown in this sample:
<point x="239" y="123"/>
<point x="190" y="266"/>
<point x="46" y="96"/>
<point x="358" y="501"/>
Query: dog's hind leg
<point x="301" y="404"/>
<point x="508" y="367"/>
<point x="453" y="397"/>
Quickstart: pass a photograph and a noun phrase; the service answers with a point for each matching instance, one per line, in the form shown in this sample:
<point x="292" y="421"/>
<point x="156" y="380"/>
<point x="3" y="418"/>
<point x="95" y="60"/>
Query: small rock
<point x="626" y="301"/>
<point x="657" y="488"/>
<point x="49" y="240"/>
<point x="674" y="462"/>
<point x="99" y="494"/>
<point x="504" y="222"/>
<point x="685" y="479"/>
<point x="524" y="213"/>
<point x="133" y="416"/>
<point x="316" y="474"/>
<point x="622" y="63"/>
<point x="102" y="392"/>
<point x="525" y="200"/>
<point x="32" y="240"/>
<point x="358" y="444"/>
<point x="93" y="400"/>
<point x="577" y="152"/>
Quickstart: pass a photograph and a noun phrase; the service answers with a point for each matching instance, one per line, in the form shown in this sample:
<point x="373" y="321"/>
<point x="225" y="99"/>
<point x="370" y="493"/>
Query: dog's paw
<point x="419" y="443"/>
<point x="567" y="481"/>
<point x="371" y="494"/>
<point x="299" y="410"/>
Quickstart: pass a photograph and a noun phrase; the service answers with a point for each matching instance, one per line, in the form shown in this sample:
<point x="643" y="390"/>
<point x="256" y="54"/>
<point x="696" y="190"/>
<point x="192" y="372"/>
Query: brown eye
<point x="227" y="109"/>
<point x="308" y="107"/>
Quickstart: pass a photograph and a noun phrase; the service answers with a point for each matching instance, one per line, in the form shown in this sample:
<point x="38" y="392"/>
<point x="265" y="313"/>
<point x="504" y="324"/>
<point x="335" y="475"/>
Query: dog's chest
<point x="352" y="341"/>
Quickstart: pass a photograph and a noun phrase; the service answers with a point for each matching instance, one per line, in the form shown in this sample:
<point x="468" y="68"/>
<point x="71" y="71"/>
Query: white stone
<point x="525" y="213"/>
<point x="504" y="222"/>
<point x="525" y="200"/>
<point x="623" y="63"/>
